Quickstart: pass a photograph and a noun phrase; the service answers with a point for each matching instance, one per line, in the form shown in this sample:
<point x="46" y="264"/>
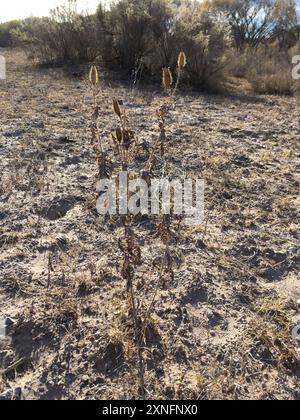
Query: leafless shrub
<point x="140" y="307"/>
<point x="270" y="71"/>
<point x="64" y="37"/>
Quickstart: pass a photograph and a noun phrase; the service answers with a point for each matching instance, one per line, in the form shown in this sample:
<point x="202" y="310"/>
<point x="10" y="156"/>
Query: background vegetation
<point x="250" y="40"/>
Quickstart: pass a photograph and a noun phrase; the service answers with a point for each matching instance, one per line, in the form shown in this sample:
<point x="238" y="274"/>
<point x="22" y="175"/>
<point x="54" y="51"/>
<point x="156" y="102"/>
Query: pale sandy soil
<point x="222" y="327"/>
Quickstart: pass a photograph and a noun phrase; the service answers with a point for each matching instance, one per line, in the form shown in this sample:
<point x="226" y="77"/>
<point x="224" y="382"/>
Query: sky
<point x="18" y="9"/>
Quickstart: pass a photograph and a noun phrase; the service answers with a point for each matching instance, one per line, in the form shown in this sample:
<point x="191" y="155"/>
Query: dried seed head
<point x="182" y="61"/>
<point x="116" y="107"/>
<point x="94" y="76"/>
<point x="167" y="78"/>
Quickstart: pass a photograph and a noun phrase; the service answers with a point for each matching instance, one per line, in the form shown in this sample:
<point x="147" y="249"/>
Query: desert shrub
<point x="250" y="21"/>
<point x="270" y="71"/>
<point x="285" y="18"/>
<point x="144" y="31"/>
<point x="131" y="32"/>
<point x="163" y="32"/>
<point x="190" y="28"/>
<point x="221" y="37"/>
<point x="130" y="22"/>
<point x="6" y="32"/>
<point x="65" y="36"/>
<point x="279" y="83"/>
<point x="207" y="43"/>
<point x="239" y="63"/>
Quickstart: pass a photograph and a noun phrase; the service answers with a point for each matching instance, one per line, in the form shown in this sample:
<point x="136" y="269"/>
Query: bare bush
<point x="207" y="43"/>
<point x="251" y="21"/>
<point x="129" y="20"/>
<point x="270" y="71"/>
<point x="245" y="39"/>
<point x="5" y="32"/>
<point x="65" y="36"/>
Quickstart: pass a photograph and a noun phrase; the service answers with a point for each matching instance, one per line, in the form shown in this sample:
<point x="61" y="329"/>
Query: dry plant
<point x="164" y="230"/>
<point x="181" y="64"/>
<point x="271" y="330"/>
<point x="103" y="164"/>
<point x="123" y="137"/>
<point x="170" y="89"/>
<point x="140" y="308"/>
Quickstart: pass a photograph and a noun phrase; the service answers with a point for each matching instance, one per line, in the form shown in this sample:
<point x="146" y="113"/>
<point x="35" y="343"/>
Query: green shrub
<point x="5" y="32"/>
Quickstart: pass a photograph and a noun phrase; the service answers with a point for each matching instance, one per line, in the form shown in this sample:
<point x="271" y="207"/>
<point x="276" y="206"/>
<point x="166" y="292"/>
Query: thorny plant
<point x="163" y="112"/>
<point x="123" y="137"/>
<point x="97" y="144"/>
<point x="124" y="146"/>
<point x="164" y="229"/>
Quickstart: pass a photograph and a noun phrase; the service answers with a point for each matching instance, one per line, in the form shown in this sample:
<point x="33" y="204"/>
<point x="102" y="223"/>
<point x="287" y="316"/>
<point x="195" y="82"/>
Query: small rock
<point x="17" y="134"/>
<point x="278" y="257"/>
<point x="5" y="326"/>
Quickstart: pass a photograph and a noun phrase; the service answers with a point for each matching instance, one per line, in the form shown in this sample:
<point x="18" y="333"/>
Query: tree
<point x="6" y="31"/>
<point x="250" y="20"/>
<point x="285" y="23"/>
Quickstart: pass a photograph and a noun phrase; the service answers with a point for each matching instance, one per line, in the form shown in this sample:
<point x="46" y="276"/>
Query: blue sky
<point x="18" y="9"/>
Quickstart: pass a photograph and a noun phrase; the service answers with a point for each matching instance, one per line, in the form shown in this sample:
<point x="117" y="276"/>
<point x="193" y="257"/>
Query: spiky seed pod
<point x="94" y="76"/>
<point x="116" y="107"/>
<point x="167" y="78"/>
<point x="119" y="134"/>
<point x="182" y="61"/>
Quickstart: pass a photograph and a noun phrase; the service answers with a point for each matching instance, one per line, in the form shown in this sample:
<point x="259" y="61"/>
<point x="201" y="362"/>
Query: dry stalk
<point x="163" y="112"/>
<point x="164" y="228"/>
<point x="123" y="138"/>
<point x="131" y="259"/>
<point x="103" y="165"/>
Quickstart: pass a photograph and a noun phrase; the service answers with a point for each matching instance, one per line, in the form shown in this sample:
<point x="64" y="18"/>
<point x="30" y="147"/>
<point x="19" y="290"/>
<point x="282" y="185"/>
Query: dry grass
<point x="208" y="310"/>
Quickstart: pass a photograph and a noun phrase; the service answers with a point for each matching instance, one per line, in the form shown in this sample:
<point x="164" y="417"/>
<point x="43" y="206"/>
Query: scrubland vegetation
<point x="141" y="306"/>
<point x="252" y="39"/>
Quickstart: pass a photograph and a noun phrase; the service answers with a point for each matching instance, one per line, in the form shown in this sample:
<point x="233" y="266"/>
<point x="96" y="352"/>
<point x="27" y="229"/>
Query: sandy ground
<point x="222" y="327"/>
